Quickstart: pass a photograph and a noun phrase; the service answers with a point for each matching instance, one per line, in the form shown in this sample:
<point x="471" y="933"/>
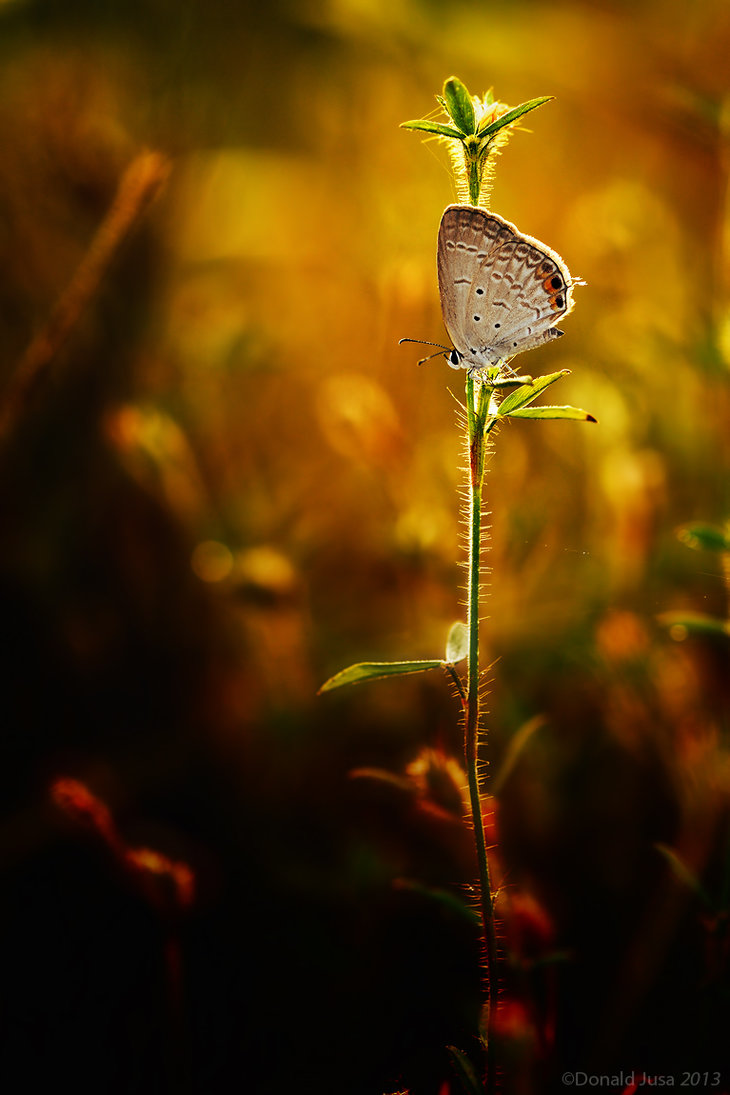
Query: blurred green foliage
<point x="233" y="482"/>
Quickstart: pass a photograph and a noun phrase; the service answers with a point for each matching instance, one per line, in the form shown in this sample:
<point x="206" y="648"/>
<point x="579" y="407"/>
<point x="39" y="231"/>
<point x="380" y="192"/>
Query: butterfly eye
<point x="454" y="359"/>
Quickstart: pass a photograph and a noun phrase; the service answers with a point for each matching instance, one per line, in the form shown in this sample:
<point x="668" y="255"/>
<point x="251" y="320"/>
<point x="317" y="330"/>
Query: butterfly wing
<point x="501" y="292"/>
<point x="465" y="242"/>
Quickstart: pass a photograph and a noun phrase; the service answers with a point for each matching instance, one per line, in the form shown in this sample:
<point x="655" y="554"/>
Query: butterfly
<point x="502" y="292"/>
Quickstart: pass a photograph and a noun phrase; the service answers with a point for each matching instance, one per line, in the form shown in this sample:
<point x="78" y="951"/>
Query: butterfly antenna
<point x="422" y="342"/>
<point x="438" y="353"/>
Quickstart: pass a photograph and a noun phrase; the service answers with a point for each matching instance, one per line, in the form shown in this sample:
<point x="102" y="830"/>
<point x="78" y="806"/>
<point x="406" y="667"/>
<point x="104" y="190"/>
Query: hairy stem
<point x="478" y="427"/>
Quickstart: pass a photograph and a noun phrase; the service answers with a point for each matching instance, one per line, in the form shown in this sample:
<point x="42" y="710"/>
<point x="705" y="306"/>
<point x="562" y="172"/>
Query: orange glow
<point x="149" y="863"/>
<point x="161" y="880"/>
<point x="440" y="780"/>
<point x="76" y="800"/>
<point x="512" y="1024"/>
<point x="530" y="930"/>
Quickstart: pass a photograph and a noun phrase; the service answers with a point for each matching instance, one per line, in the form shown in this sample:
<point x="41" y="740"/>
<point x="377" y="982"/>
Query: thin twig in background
<point x="139" y="185"/>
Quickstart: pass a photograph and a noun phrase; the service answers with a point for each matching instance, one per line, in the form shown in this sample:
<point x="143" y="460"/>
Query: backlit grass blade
<point x="465" y="1071"/>
<point x="682" y="624"/>
<point x="682" y="872"/>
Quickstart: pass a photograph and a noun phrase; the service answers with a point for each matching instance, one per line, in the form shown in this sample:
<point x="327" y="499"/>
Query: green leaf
<point x="574" y="413"/>
<point x="703" y="537"/>
<point x="459" y="105"/>
<point x="512" y="115"/>
<point x="682" y="624"/>
<point x="465" y="1071"/>
<point x="427" y="126"/>
<point x="682" y="872"/>
<point x="552" y="959"/>
<point x="457" y="643"/>
<point x="371" y="671"/>
<point x="524" y="395"/>
<point x="448" y="901"/>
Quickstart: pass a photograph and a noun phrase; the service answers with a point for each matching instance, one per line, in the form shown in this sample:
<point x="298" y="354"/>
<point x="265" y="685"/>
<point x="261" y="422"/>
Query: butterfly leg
<point x="506" y="368"/>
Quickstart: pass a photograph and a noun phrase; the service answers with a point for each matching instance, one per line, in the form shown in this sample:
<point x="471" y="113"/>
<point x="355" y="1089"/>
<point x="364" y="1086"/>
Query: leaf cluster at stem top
<point x="480" y="125"/>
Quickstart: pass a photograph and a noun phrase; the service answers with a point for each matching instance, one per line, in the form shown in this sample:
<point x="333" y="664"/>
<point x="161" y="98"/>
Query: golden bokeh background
<point x="231" y="481"/>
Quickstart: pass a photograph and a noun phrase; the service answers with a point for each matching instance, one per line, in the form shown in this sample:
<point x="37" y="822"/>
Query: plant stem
<point x="138" y="186"/>
<point x="474" y="183"/>
<point x="478" y="427"/>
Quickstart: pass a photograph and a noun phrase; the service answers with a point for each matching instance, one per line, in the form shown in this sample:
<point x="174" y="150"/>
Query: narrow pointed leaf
<point x="681" y="871"/>
<point x="382" y="775"/>
<point x="438" y="128"/>
<point x="371" y="671"/>
<point x="448" y="901"/>
<point x="513" y="752"/>
<point x="512" y="116"/>
<point x="524" y="395"/>
<point x="682" y="624"/>
<point x="457" y="643"/>
<point x="465" y="1071"/>
<point x="703" y="537"/>
<point x="574" y="413"/>
<point x="459" y="105"/>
